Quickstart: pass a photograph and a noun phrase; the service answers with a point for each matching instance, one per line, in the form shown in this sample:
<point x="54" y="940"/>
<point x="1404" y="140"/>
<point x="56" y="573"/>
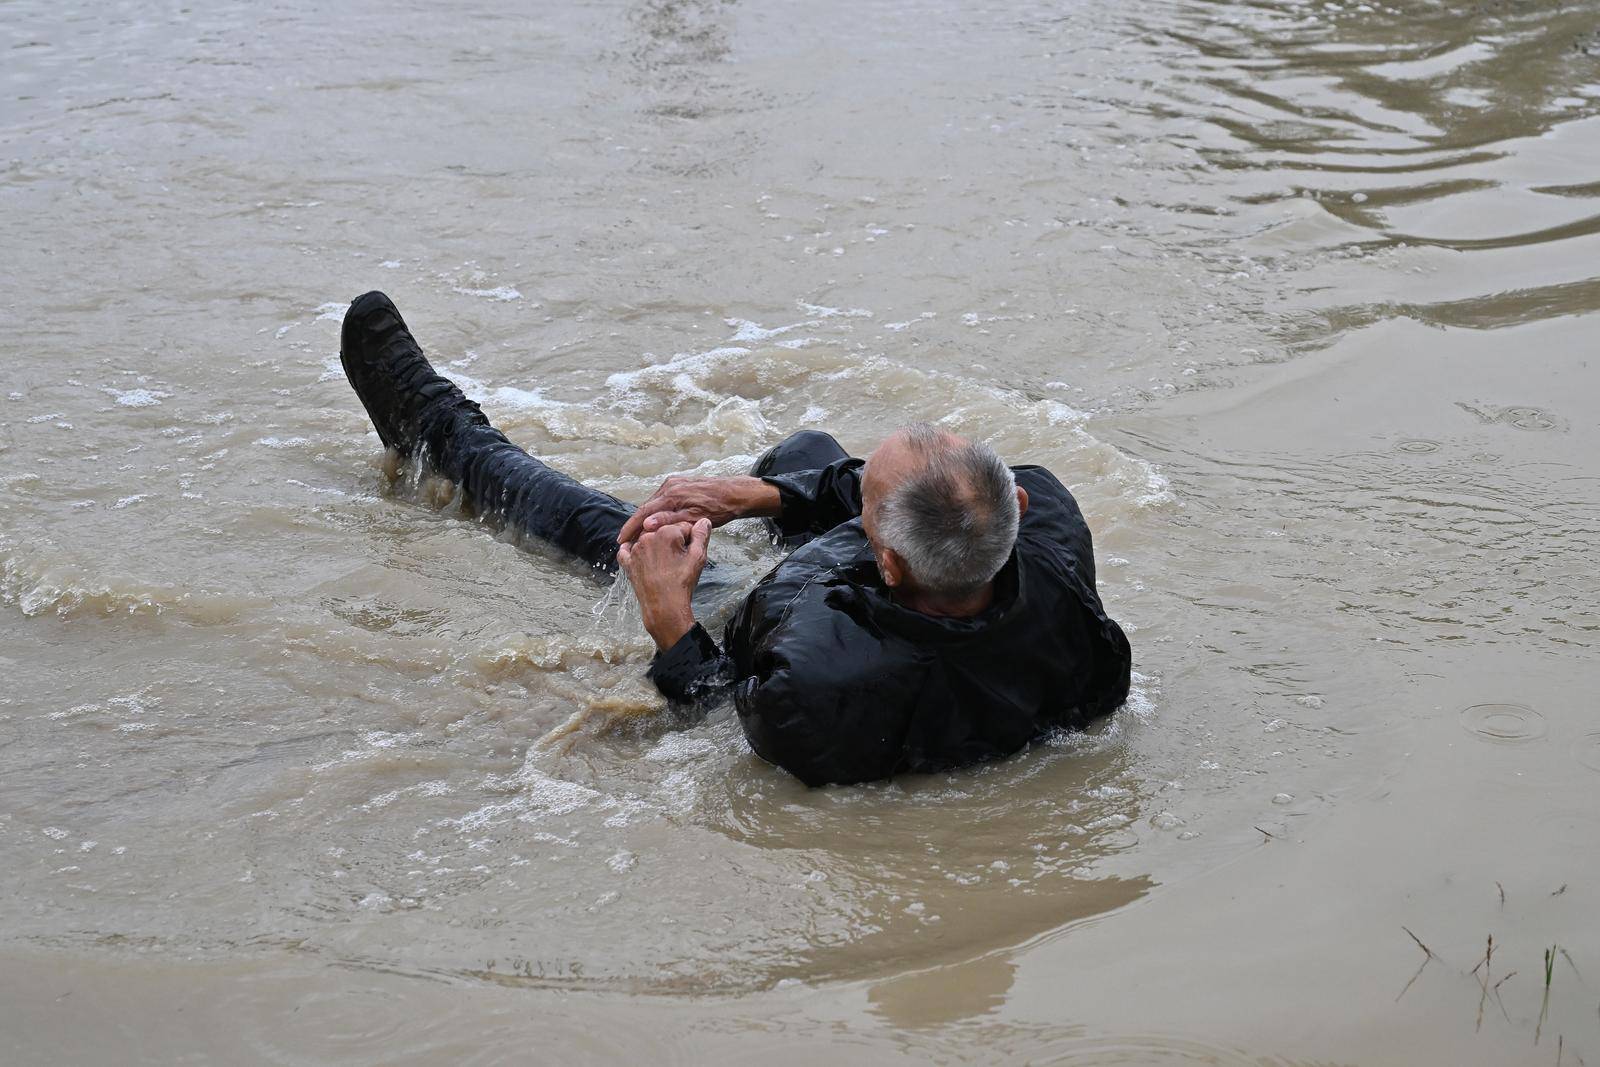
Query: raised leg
<point x="417" y="411"/>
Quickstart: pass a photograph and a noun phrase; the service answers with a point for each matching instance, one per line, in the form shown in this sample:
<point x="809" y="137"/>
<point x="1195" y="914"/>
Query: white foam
<point x="1142" y="693"/>
<point x="523" y="399"/>
<point x="138" y="398"/>
<point x="1156" y="490"/>
<point x="332" y="311"/>
<point x="746" y="331"/>
<point x="499" y="292"/>
<point x="540" y="796"/>
<point x="673" y="370"/>
<point x="321" y="490"/>
<point x="681" y="748"/>
<point x="822" y="312"/>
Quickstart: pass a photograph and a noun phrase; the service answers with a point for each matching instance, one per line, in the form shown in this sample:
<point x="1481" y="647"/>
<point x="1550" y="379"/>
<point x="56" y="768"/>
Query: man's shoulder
<point x="1041" y="482"/>
<point x="842" y="547"/>
<point x="804" y="576"/>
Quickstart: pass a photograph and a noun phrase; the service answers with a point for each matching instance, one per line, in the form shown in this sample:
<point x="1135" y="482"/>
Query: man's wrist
<point x="759" y="498"/>
<point x="666" y="627"/>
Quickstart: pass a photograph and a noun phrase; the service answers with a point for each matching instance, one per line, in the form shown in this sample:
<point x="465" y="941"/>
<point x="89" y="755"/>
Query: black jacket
<point x="835" y="682"/>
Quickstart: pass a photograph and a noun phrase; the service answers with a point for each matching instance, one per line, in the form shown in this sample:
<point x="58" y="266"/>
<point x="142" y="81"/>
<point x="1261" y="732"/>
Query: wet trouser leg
<point x="503" y="481"/>
<point x="419" y="412"/>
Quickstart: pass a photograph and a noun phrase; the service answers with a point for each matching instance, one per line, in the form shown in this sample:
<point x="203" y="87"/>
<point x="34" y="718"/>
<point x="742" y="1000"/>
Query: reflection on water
<point x="946" y="994"/>
<point x="268" y="695"/>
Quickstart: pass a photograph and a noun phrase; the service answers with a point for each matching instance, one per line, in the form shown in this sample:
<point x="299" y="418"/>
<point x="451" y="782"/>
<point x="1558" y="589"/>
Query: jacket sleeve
<point x="1054" y="518"/>
<point x="816" y="501"/>
<point x="692" y="671"/>
<point x="1055" y="522"/>
<point x="808" y="702"/>
<point x="819" y="735"/>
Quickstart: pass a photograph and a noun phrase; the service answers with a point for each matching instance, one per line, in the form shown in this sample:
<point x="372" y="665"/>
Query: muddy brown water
<point x="299" y="764"/>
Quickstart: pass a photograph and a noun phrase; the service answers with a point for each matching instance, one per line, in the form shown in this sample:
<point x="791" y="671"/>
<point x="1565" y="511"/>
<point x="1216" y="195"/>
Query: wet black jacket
<point x="835" y="682"/>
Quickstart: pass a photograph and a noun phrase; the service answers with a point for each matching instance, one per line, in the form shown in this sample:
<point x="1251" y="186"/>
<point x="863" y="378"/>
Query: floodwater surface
<point x="299" y="763"/>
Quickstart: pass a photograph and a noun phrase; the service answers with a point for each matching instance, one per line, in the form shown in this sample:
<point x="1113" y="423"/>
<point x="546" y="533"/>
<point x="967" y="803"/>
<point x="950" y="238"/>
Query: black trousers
<point x="419" y="412"/>
<point x="504" y="482"/>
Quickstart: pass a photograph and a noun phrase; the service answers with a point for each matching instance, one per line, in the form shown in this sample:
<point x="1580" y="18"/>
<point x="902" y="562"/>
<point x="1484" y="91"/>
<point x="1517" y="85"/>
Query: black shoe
<point x="388" y="371"/>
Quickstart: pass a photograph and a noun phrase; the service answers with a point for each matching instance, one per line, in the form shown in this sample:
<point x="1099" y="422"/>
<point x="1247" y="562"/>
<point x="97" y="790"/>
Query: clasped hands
<point x="663" y="544"/>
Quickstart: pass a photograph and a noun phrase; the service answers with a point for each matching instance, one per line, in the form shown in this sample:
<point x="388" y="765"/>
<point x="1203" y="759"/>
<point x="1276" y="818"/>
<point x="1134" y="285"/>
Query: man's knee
<point x="801" y="450"/>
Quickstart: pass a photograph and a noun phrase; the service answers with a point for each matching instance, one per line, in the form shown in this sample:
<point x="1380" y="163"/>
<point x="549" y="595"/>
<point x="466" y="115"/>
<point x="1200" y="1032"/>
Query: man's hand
<point x="663" y="566"/>
<point x="688" y="500"/>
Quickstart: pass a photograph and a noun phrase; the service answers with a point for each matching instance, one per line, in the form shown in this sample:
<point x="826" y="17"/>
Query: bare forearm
<point x="755" y="498"/>
<point x="666" y="623"/>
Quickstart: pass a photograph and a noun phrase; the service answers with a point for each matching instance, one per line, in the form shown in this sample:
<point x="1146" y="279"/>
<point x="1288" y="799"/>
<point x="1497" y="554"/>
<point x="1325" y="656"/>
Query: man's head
<point x="941" y="513"/>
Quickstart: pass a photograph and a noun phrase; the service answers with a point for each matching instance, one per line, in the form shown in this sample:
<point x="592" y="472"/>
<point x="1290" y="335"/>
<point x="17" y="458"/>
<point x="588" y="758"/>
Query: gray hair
<point x="954" y="522"/>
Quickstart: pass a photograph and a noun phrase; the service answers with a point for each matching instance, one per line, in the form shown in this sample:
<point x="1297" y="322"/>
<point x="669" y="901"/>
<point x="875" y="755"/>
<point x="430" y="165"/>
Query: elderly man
<point x="937" y="608"/>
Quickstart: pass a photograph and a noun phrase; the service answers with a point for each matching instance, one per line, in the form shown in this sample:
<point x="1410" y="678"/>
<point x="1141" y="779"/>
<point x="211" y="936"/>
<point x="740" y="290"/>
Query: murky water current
<point x="1293" y="295"/>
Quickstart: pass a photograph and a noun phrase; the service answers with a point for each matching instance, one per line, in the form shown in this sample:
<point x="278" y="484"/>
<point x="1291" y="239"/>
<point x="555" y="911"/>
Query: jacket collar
<point x="863" y="596"/>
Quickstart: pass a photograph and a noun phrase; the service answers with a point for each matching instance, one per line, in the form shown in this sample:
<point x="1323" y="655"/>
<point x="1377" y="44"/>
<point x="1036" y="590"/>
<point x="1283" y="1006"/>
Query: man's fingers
<point x="639" y="522"/>
<point x="699" y="536"/>
<point x="634" y="523"/>
<point x="625" y="556"/>
<point x="662" y="519"/>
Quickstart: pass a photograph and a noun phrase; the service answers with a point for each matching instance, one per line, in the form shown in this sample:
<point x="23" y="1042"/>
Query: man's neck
<point x="947" y="607"/>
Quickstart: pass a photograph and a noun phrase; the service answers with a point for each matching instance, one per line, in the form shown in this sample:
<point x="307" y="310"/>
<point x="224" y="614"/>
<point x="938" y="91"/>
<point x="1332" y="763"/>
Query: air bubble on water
<point x="1309" y="701"/>
<point x="1283" y="798"/>
<point x="1165" y="820"/>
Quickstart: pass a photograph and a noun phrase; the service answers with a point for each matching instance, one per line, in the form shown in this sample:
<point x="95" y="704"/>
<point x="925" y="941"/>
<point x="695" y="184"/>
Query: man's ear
<point x="1022" y="501"/>
<point x="892" y="567"/>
